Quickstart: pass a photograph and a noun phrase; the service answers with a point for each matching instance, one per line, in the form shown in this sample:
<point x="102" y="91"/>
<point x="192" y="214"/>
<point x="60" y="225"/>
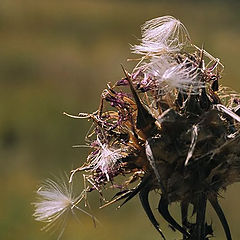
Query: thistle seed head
<point x="176" y="132"/>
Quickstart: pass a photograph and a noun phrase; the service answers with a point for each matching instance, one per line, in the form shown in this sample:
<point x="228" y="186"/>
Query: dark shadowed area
<point x="57" y="56"/>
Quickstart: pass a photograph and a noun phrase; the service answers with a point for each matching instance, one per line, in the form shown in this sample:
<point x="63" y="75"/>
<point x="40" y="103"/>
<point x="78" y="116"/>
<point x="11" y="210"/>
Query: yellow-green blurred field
<point x="57" y="56"/>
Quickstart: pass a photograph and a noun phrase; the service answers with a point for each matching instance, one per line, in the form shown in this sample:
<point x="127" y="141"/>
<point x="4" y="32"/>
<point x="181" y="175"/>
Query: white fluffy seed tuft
<point x="170" y="75"/>
<point x="162" y="35"/>
<point x="106" y="158"/>
<point x="181" y="77"/>
<point x="55" y="202"/>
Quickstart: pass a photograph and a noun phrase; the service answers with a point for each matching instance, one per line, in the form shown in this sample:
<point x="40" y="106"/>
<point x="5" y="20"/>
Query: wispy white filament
<point x="226" y="110"/>
<point x="54" y="203"/>
<point x="162" y="35"/>
<point x="170" y="75"/>
<point x="193" y="143"/>
<point x="182" y="77"/>
<point x="106" y="158"/>
<point x="157" y="65"/>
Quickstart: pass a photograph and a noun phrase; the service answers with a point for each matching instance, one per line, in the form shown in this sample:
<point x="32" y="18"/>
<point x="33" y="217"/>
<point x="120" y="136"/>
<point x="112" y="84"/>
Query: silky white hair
<point x="55" y="202"/>
<point x="170" y="75"/>
<point x="106" y="158"/>
<point x="162" y="35"/>
<point x="181" y="77"/>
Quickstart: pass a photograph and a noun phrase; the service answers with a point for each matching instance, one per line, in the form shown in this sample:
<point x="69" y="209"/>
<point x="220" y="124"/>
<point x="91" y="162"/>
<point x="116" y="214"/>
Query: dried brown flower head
<point x="177" y="131"/>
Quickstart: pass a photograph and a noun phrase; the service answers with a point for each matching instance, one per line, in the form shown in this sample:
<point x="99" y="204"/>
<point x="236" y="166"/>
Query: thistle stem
<point x="200" y="221"/>
<point x="184" y="212"/>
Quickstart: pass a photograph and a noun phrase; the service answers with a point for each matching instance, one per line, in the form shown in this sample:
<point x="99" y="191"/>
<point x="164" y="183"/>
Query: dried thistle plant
<point x="176" y="132"/>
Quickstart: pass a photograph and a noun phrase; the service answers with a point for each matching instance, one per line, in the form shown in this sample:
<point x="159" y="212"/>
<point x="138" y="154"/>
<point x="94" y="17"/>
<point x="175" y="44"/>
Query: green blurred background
<point x="57" y="56"/>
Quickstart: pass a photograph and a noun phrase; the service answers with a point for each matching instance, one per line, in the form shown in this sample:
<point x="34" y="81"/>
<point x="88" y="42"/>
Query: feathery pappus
<point x="55" y="202"/>
<point x="176" y="132"/>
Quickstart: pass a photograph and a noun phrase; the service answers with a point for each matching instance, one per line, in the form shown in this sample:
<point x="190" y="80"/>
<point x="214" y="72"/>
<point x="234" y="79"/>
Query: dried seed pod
<point x="177" y="132"/>
<point x="182" y="141"/>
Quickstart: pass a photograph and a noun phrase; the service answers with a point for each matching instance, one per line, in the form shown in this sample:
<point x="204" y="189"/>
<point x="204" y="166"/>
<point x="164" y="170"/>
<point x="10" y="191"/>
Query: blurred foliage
<point x="57" y="56"/>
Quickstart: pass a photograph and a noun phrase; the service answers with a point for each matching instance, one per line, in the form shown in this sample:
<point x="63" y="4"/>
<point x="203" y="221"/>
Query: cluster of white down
<point x="161" y="38"/>
<point x="55" y="202"/>
<point x="182" y="78"/>
<point x="106" y="158"/>
<point x="170" y="75"/>
<point x="161" y="35"/>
